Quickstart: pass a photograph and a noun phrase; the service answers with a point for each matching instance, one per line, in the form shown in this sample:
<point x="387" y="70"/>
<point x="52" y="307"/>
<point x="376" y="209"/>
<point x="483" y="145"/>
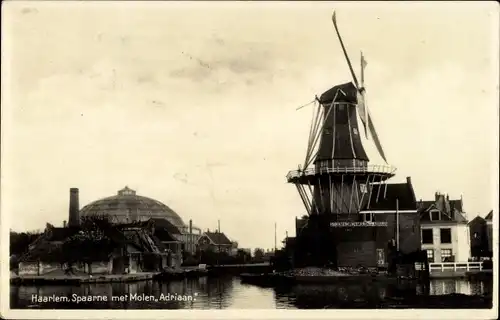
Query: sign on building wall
<point x="341" y="224"/>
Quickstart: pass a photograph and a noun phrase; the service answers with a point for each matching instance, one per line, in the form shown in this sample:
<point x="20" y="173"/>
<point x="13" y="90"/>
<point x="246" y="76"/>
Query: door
<point x="356" y="253"/>
<point x="380" y="257"/>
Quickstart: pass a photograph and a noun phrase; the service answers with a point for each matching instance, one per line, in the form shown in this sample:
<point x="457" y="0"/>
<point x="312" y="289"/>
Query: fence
<point x="452" y="266"/>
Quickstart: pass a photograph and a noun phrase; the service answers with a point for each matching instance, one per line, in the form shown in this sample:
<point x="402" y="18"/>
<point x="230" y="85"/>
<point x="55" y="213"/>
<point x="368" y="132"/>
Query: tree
<point x="242" y="256"/>
<point x="95" y="241"/>
<point x="19" y="242"/>
<point x="258" y="254"/>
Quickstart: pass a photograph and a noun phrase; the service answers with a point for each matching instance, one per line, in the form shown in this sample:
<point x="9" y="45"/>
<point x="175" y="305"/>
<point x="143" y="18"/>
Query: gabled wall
<point x="460" y="244"/>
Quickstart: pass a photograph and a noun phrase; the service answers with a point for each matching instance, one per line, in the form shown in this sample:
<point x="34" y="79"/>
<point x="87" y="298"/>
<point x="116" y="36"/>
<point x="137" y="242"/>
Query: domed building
<point x="126" y="207"/>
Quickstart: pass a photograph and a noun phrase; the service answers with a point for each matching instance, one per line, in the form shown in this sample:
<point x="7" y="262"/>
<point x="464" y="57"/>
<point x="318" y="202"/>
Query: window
<point x="427" y="236"/>
<point x="355" y="131"/>
<point x="446" y="235"/>
<point x="430" y="255"/>
<point x="324" y="164"/>
<point x="368" y="217"/>
<point x="362" y="187"/>
<point x="476" y="235"/>
<point x="446" y="255"/>
<point x="435" y="215"/>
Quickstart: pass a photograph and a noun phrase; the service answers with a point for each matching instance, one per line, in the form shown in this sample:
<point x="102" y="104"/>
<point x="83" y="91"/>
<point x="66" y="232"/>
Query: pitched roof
<point x="424" y="205"/>
<point x="144" y="241"/>
<point x="165" y="224"/>
<point x="459" y="217"/>
<point x="61" y="234"/>
<point x="158" y="223"/>
<point x="163" y="229"/>
<point x="164" y="235"/>
<point x="218" y="238"/>
<point x="477" y="219"/>
<point x="385" y="199"/>
<point x="489" y="216"/>
<point x="456" y="204"/>
<point x="47" y="248"/>
<point x="452" y="210"/>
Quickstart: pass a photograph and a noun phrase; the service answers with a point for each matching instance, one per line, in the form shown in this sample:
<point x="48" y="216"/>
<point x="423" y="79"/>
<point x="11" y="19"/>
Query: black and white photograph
<point x="249" y="159"/>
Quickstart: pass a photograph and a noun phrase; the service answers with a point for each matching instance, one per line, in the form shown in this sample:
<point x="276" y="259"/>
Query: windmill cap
<point x="346" y="92"/>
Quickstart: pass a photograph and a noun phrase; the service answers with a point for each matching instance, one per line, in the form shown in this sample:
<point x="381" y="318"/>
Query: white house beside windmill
<point x="445" y="230"/>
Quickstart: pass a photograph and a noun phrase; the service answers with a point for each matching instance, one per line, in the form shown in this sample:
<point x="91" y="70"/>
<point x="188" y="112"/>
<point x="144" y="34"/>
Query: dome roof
<point x="126" y="206"/>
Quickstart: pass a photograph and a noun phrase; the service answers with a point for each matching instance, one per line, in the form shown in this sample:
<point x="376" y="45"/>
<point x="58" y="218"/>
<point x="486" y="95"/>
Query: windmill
<point x="336" y="181"/>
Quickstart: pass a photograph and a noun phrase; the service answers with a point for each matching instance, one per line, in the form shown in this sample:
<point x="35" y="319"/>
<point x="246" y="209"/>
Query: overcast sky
<point x="195" y="104"/>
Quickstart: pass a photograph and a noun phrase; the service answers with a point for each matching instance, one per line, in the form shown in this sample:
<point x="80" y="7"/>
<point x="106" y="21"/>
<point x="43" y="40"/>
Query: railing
<point x="451" y="266"/>
<point x="380" y="169"/>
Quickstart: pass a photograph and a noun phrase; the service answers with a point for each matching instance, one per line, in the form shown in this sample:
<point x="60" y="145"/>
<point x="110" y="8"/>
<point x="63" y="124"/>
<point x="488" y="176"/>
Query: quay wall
<point x="238" y="269"/>
<point x="30" y="268"/>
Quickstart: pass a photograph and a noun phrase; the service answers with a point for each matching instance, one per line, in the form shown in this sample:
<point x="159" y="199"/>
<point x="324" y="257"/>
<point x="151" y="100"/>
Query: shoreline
<point x="62" y="279"/>
<point x="81" y="279"/>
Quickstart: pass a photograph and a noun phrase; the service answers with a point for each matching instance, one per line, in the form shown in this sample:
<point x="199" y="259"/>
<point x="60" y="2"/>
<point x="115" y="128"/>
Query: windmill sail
<point x="334" y="19"/>
<point x="363" y="109"/>
<point x="363" y="112"/>
<point x="374" y="135"/>
<point x="360" y="91"/>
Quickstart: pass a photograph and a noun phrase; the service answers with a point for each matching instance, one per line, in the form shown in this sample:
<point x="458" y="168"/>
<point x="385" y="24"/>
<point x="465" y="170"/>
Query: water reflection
<point x="347" y="295"/>
<point x="447" y="286"/>
<point x="229" y="292"/>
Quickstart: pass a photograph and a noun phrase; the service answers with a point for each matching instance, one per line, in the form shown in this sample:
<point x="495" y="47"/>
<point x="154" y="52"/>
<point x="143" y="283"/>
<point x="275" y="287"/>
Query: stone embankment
<point x="80" y="279"/>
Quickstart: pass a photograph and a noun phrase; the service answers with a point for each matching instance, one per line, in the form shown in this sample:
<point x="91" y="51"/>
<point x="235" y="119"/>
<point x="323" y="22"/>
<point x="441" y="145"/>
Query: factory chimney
<point x="74" y="208"/>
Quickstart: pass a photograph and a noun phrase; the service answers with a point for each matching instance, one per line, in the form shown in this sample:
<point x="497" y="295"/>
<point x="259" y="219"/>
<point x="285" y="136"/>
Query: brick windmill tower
<point x="337" y="180"/>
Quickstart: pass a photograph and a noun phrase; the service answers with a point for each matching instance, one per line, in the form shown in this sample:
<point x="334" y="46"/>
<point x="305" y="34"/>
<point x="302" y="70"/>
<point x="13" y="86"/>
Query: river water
<point x="223" y="293"/>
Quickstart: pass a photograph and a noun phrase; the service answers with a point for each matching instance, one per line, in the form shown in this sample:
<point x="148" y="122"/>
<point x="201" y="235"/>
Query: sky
<point x="194" y="104"/>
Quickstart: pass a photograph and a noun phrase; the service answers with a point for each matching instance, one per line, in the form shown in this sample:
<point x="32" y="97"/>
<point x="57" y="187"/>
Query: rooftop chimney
<point x="190" y="226"/>
<point x="74" y="208"/>
<point x="408" y="180"/>
<point x="65" y="224"/>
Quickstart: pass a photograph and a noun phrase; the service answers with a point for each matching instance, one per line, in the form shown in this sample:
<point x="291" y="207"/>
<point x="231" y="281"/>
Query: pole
<point x="275" y="239"/>
<point x="218" y="245"/>
<point x="397" y="224"/>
